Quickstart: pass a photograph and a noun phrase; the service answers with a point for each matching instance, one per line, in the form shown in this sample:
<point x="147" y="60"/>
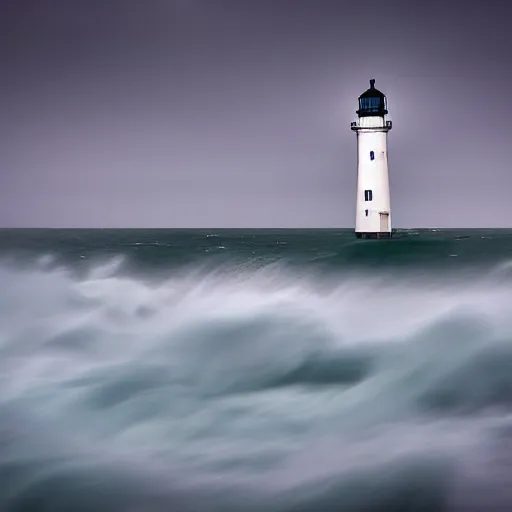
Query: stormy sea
<point x="255" y="370"/>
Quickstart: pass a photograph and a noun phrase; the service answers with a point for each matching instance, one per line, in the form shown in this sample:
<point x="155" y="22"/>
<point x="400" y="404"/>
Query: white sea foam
<point x="265" y="379"/>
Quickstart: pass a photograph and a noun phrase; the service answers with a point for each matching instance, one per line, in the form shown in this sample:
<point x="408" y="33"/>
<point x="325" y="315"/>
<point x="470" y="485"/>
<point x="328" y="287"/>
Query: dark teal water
<point x="275" y="370"/>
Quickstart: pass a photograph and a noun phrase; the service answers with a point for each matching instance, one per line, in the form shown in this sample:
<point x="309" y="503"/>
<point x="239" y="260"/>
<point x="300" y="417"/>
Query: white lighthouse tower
<point x="373" y="210"/>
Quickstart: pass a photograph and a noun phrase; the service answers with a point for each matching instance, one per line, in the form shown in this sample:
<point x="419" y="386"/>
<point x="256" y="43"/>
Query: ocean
<point x="255" y="370"/>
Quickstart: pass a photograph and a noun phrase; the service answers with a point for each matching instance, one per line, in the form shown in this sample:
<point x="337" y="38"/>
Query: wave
<point x="254" y="389"/>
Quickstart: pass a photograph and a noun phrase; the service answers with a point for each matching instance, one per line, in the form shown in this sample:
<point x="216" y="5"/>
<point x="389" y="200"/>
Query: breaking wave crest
<point x="253" y="389"/>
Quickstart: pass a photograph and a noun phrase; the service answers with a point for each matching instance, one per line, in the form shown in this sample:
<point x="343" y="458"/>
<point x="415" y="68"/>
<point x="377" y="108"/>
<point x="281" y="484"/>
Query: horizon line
<point x="240" y="228"/>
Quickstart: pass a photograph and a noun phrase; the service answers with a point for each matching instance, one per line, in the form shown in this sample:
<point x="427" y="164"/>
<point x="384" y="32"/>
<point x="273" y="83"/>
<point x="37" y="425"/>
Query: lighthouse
<point x="373" y="205"/>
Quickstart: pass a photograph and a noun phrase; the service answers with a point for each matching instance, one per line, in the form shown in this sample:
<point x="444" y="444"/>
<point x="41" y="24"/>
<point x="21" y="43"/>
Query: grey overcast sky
<point x="236" y="113"/>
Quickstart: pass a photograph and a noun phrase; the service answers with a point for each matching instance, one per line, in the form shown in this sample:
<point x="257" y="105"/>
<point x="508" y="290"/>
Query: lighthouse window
<point x="368" y="195"/>
<point x="366" y="212"/>
<point x="372" y="155"/>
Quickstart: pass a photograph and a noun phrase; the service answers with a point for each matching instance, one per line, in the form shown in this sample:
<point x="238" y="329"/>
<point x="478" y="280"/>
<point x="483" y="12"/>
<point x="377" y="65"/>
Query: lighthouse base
<point x="374" y="235"/>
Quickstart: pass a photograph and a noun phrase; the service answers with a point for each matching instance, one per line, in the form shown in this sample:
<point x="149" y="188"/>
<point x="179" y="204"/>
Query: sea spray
<point x="280" y="385"/>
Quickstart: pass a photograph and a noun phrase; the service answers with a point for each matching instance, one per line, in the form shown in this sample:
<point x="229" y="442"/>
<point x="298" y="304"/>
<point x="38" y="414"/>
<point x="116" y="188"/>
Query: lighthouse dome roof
<point x="372" y="102"/>
<point x="372" y="92"/>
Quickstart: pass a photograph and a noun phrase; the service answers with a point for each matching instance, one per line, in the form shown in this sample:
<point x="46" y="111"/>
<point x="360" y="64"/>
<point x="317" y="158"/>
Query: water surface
<point x="276" y="370"/>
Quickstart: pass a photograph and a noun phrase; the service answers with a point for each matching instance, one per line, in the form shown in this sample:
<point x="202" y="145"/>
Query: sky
<point x="236" y="113"/>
